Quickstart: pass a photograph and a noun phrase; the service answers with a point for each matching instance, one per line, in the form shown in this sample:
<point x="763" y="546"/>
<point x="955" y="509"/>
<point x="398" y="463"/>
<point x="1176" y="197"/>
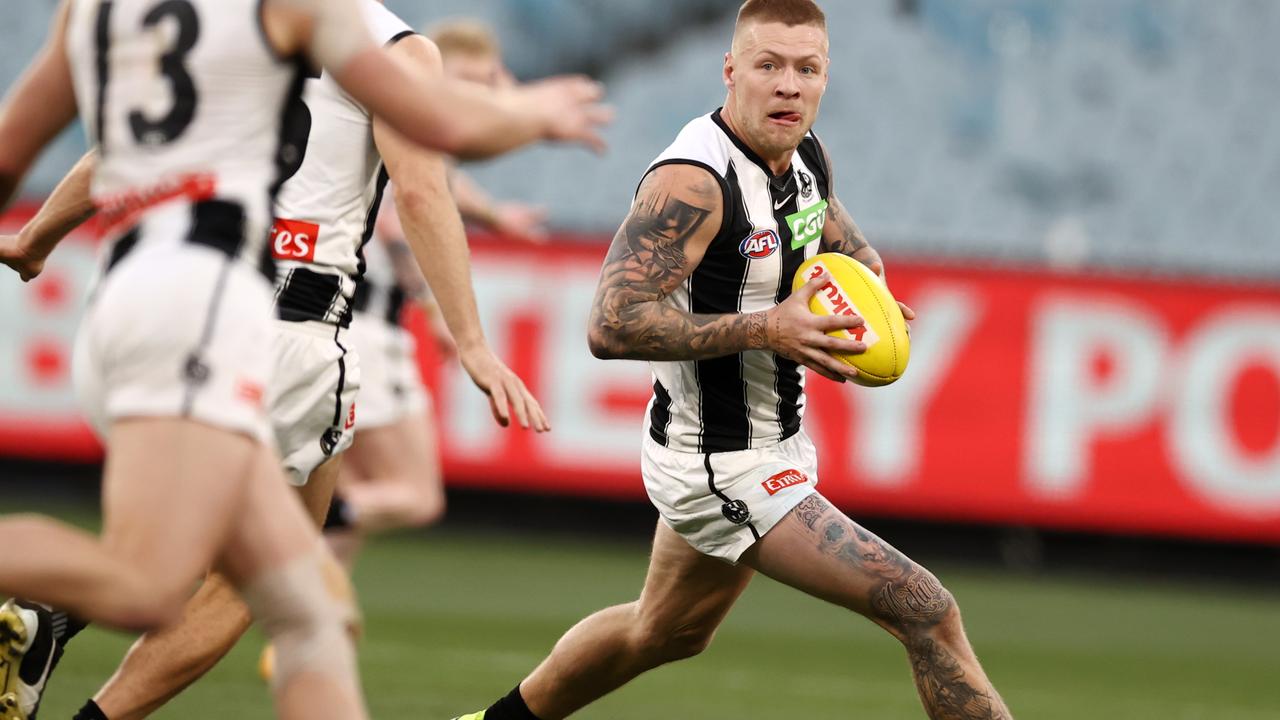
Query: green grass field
<point x="454" y="619"/>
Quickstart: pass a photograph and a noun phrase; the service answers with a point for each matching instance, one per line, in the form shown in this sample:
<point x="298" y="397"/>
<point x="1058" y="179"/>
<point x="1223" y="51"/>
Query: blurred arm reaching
<point x="433" y="229"/>
<point x="67" y="208"/>
<point x="40" y="105"/>
<point x="438" y="113"/>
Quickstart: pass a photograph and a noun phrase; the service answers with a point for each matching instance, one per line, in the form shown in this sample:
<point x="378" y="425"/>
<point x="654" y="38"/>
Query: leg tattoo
<point x="911" y="601"/>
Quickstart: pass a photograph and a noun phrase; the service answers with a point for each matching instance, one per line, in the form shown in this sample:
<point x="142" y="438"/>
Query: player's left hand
<point x="506" y="391"/>
<point x="13" y="254"/>
<point x="877" y="267"/>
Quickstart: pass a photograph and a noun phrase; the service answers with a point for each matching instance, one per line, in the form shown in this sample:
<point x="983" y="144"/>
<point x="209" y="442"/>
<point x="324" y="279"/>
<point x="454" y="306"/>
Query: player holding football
<point x="174" y="355"/>
<point x="725" y="459"/>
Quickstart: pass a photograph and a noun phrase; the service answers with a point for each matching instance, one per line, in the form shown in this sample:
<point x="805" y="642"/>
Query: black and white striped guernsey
<point x="771" y="225"/>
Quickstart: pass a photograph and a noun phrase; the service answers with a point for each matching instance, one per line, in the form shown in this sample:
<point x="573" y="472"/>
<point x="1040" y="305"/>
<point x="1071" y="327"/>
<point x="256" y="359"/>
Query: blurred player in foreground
<point x="391" y="475"/>
<point x="725" y="460"/>
<point x="190" y="482"/>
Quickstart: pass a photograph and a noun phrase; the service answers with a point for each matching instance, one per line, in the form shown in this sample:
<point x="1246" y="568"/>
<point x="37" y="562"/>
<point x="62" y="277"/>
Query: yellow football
<point x="857" y="290"/>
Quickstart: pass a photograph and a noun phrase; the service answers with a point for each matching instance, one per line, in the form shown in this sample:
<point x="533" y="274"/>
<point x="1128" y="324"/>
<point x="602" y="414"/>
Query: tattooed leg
<point x="819" y="550"/>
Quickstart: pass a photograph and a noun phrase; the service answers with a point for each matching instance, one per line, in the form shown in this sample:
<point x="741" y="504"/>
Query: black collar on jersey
<point x="778" y="182"/>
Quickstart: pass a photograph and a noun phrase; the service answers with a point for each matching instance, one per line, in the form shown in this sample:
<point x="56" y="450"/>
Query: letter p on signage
<point x="1070" y="403"/>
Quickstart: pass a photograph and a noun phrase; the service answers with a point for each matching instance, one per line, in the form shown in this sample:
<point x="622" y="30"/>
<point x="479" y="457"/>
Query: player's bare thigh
<point x="272" y="527"/>
<point x="172" y="491"/>
<point x="687" y="592"/>
<point x="819" y="550"/>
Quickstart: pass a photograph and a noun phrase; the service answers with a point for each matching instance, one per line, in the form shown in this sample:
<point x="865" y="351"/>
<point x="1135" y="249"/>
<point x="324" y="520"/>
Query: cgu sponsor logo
<point x="837" y="303"/>
<point x="784" y="480"/>
<point x="806" y="225"/>
<point x="294" y="240"/>
<point x="759" y="244"/>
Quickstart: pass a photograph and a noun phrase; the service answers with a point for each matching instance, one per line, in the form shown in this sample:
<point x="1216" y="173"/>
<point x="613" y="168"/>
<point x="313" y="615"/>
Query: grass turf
<point x="454" y="619"/>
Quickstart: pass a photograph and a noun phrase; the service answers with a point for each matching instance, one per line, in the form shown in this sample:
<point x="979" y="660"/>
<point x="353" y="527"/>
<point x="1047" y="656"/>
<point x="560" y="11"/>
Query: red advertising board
<point x="1079" y="401"/>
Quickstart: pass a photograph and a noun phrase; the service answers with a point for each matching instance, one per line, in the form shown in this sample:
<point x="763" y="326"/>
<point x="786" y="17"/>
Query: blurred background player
<point x="391" y="476"/>
<point x="309" y="375"/>
<point x="725" y="460"/>
<point x="471" y="51"/>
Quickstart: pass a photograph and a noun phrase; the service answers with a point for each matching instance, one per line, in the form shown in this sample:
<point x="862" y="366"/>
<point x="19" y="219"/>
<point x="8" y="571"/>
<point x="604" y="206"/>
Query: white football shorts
<point x="723" y="502"/>
<point x="392" y="388"/>
<point x="312" y="394"/>
<point x="177" y="330"/>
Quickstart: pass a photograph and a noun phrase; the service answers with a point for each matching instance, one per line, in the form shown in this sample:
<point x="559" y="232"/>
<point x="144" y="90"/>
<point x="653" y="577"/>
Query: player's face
<point x="776" y="76"/>
<point x="486" y="70"/>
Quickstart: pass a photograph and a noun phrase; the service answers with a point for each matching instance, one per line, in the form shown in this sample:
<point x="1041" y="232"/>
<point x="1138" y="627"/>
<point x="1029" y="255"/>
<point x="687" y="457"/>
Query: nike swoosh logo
<point x="785" y="200"/>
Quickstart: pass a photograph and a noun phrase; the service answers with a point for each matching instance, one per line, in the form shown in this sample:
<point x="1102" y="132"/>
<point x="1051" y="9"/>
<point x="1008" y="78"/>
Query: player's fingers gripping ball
<point x="855" y="290"/>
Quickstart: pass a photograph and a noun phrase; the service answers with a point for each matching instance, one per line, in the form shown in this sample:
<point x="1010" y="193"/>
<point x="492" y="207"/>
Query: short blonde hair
<point x="787" y="12"/>
<point x="464" y="37"/>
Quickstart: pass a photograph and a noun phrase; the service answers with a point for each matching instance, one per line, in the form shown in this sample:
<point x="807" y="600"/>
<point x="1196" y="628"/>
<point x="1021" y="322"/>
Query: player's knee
<point x="147" y="603"/>
<point x="917" y="603"/>
<point x="663" y="643"/>
<point x="306" y="608"/>
<point x="428" y="510"/>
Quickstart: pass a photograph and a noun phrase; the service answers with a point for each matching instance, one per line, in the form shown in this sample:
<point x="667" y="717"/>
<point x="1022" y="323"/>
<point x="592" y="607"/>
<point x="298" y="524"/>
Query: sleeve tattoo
<point x="647" y="261"/>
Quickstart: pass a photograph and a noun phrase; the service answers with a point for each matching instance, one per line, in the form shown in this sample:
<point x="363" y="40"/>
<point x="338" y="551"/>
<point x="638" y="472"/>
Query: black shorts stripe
<point x="195" y="371"/>
<point x="711" y="484"/>
<point x="342" y="380"/>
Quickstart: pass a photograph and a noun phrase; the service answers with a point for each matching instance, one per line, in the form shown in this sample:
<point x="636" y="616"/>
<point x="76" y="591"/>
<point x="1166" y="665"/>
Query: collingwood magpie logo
<point x="330" y="439"/>
<point x="736" y="512"/>
<point x="195" y="370"/>
<point x="806" y="184"/>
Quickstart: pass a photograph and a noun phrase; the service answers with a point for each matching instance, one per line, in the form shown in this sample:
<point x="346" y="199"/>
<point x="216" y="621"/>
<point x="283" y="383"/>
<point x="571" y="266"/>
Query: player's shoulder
<point x="387" y="27"/>
<point x="700" y="142"/>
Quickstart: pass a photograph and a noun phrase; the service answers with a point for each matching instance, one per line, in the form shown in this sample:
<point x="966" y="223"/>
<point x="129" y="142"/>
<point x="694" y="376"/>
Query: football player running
<point x="173" y="358"/>
<point x="697" y="282"/>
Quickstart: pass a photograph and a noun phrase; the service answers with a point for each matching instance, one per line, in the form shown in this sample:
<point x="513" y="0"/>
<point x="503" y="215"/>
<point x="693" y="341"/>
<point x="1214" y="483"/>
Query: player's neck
<point x="778" y="162"/>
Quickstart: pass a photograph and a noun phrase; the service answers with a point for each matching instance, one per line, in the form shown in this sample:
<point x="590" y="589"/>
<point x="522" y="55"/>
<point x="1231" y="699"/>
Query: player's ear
<point x="728" y="70"/>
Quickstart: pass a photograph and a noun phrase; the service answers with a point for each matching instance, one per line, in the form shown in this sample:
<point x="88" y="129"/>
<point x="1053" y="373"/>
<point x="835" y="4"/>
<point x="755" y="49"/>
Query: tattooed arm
<point x="841" y="234"/>
<point x="676" y="214"/>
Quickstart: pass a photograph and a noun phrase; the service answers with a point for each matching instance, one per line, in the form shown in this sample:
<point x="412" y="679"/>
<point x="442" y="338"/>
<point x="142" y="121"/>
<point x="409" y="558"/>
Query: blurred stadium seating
<point x="1130" y="133"/>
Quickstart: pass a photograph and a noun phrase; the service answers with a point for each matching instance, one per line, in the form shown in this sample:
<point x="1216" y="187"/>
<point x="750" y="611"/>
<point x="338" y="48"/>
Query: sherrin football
<point x="856" y="290"/>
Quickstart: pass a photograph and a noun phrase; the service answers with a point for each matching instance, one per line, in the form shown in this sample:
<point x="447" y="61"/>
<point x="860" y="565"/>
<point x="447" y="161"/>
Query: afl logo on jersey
<point x="759" y="244"/>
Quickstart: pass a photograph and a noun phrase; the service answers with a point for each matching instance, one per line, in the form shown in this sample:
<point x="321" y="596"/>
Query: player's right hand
<point x="507" y="392"/>
<point x="796" y="333"/>
<point x="15" y="256"/>
<point x="570" y="109"/>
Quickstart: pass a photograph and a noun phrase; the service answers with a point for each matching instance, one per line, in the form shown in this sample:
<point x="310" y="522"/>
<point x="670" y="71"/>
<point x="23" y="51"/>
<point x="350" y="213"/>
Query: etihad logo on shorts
<point x="759" y="244"/>
<point x="784" y="480"/>
<point x="806" y="225"/>
<point x="294" y="240"/>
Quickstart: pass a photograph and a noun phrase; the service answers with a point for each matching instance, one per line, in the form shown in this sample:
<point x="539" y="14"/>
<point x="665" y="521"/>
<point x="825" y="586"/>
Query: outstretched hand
<point x="797" y="334"/>
<point x="13" y="255"/>
<point x="571" y="110"/>
<point x="507" y="392"/>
